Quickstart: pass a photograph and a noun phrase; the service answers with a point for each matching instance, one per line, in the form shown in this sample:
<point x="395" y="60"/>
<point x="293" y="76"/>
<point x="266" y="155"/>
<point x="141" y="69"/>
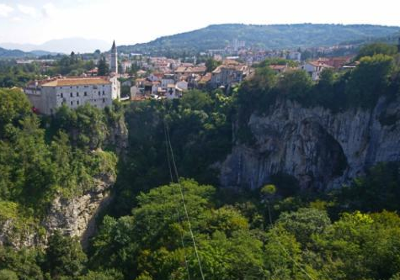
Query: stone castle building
<point x="47" y="95"/>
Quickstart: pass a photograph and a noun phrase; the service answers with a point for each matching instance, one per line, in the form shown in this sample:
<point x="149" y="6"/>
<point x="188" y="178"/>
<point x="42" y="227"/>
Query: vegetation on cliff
<point x="276" y="232"/>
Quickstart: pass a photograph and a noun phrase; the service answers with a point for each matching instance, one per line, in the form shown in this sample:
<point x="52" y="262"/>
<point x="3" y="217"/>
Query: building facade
<point x="47" y="95"/>
<point x="228" y="75"/>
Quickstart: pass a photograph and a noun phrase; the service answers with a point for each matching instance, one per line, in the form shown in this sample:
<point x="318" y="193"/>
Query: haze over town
<point x="130" y="22"/>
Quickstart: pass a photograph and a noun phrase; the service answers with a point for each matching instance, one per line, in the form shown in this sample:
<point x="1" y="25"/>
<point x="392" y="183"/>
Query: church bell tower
<point x="114" y="59"/>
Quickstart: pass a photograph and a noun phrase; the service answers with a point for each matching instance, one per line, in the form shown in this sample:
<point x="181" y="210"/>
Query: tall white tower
<point x="114" y="59"/>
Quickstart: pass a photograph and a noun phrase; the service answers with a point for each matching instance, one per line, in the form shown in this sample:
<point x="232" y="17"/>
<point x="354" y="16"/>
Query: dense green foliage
<point x="374" y="77"/>
<point x="376" y="48"/>
<point x="264" y="36"/>
<point x="13" y="74"/>
<point x="276" y="232"/>
<point x="102" y="67"/>
<point x="154" y="242"/>
<point x="72" y="65"/>
<point x="34" y="168"/>
<point x="200" y="129"/>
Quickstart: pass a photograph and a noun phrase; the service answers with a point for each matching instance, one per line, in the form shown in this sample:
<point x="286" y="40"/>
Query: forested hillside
<point x="273" y="225"/>
<point x="265" y="36"/>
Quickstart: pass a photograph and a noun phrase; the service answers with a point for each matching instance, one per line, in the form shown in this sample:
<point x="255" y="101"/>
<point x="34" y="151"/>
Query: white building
<point x="314" y="68"/>
<point x="47" y="95"/>
<point x="166" y="80"/>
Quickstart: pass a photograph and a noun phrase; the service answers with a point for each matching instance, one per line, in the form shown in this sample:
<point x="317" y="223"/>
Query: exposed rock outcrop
<point x="13" y="233"/>
<point x="118" y="137"/>
<point x="320" y="148"/>
<point x="76" y="217"/>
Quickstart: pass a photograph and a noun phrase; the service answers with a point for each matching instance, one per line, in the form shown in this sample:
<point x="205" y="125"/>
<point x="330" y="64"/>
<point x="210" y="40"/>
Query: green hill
<point x="267" y="36"/>
<point x="14" y="53"/>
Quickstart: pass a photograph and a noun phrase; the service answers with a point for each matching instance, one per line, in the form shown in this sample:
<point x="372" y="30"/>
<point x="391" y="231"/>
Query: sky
<point x="132" y="21"/>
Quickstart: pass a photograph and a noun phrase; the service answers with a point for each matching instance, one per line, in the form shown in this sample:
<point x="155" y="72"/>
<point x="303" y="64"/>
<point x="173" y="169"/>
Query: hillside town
<point x="138" y="77"/>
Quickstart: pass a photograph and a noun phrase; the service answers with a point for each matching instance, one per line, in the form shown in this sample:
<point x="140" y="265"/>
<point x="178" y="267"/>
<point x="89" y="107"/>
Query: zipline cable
<point x="284" y="249"/>
<point x="177" y="208"/>
<point x="183" y="201"/>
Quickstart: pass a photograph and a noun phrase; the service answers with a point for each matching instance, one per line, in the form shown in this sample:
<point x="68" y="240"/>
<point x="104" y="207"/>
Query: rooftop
<point x="77" y="81"/>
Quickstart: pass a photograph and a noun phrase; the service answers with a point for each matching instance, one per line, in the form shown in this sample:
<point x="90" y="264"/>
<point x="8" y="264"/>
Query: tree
<point x="20" y="264"/>
<point x="282" y="255"/>
<point x="369" y="80"/>
<point x="295" y="85"/>
<point x="376" y="48"/>
<point x="376" y="191"/>
<point x="211" y="64"/>
<point x="6" y="274"/>
<point x="14" y="106"/>
<point x="102" y="67"/>
<point x="304" y="223"/>
<point x="102" y="275"/>
<point x="64" y="257"/>
<point x="223" y="258"/>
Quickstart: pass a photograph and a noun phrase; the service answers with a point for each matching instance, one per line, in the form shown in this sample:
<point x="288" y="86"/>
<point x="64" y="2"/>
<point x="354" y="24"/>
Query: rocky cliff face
<point x="118" y="137"/>
<point x="13" y="233"/>
<point x="320" y="148"/>
<point x="75" y="217"/>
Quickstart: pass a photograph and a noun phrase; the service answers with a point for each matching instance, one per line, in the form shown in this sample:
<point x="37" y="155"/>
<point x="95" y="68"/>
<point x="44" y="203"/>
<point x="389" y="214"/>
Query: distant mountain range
<point x="77" y="45"/>
<point x="4" y="53"/>
<point x="267" y="36"/>
<point x="282" y="36"/>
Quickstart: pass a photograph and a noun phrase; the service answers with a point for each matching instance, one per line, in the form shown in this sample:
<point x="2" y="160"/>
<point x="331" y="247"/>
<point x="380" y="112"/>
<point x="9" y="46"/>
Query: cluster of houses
<point x="171" y="83"/>
<point x="162" y="78"/>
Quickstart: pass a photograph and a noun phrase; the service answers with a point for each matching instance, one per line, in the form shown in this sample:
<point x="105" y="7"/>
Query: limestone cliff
<point x="322" y="149"/>
<point x="74" y="217"/>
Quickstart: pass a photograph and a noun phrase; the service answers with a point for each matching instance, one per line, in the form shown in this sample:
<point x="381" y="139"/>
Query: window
<point x="77" y="94"/>
<point x="71" y="94"/>
<point x="62" y="95"/>
<point x="99" y="93"/>
<point x="104" y="93"/>
<point x="72" y="103"/>
<point x="85" y="93"/>
<point x="104" y="100"/>
<point x="77" y="102"/>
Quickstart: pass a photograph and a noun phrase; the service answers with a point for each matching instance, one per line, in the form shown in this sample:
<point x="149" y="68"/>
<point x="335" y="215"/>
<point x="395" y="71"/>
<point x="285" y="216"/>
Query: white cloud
<point x="27" y="10"/>
<point x="49" y="10"/>
<point x="5" y="10"/>
<point x="16" y="19"/>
